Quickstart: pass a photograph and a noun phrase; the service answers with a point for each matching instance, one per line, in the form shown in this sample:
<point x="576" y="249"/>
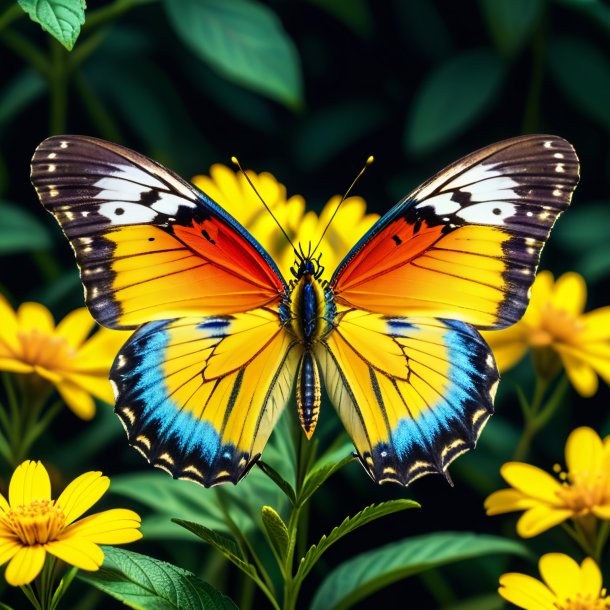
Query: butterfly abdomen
<point x="308" y="393"/>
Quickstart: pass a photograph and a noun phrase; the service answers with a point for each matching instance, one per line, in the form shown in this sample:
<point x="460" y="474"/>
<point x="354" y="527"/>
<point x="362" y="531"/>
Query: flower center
<point x="557" y="325"/>
<point x="53" y="353"/>
<point x="581" y="602"/>
<point x="37" y="522"/>
<point x="583" y="490"/>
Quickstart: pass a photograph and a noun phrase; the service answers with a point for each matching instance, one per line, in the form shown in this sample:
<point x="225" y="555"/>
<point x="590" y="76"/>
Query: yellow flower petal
<point x="531" y="481"/>
<point x="76" y="326"/>
<point x="77" y="552"/>
<point x="584" y="451"/>
<point x="81" y="494"/>
<point x="539" y="519"/>
<point x="25" y="565"/>
<point x="601" y="512"/>
<point x="526" y="592"/>
<point x="29" y="482"/>
<point x="97" y="386"/>
<point x="570" y="293"/>
<point x="8" y="549"/>
<point x="580" y="374"/>
<point x="4" y="505"/>
<point x="15" y="366"/>
<point x="561" y="574"/>
<point x="35" y="317"/>
<point x="590" y="579"/>
<point x="9" y="326"/>
<point x="507" y="501"/>
<point x="597" y="325"/>
<point x="99" y="352"/>
<point x="77" y="399"/>
<point x="114" y="526"/>
<point x="507" y="354"/>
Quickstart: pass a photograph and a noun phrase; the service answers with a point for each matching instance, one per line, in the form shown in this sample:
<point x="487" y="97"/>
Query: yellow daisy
<point x="556" y="329"/>
<point x="32" y="524"/>
<point x="566" y="586"/>
<point x="582" y="493"/>
<point x="231" y="191"/>
<point x="63" y="355"/>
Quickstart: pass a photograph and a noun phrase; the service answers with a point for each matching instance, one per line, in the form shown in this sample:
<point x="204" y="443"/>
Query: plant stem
<point x="12" y="13"/>
<point x="111" y="12"/>
<point x="21" y="46"/>
<point x="531" y="117"/>
<point x="530" y="411"/>
<point x="58" y="89"/>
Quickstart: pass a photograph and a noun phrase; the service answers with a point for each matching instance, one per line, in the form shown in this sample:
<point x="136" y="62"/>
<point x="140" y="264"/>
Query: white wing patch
<point x="490" y="212"/>
<point x="126" y="213"/>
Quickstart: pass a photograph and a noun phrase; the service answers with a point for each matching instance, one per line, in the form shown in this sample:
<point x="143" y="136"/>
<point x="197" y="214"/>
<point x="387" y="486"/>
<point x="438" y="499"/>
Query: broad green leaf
<point x="364" y="574"/>
<point x="277" y="478"/>
<point x="582" y="72"/>
<point x="277" y="531"/>
<point x="452" y="98"/>
<point x="317" y="476"/>
<point x="225" y="545"/>
<point x="355" y="14"/>
<point x="244" y="41"/>
<point x="511" y="22"/>
<point x="21" y="231"/>
<point x="146" y="583"/>
<point x="19" y="93"/>
<point x="366" y="515"/>
<point x="61" y="18"/>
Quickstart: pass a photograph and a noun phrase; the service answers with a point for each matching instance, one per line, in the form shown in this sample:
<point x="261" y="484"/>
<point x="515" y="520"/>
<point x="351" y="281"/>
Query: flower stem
<point x="29" y="593"/>
<point x="58" y="87"/>
<point x="12" y="13"/>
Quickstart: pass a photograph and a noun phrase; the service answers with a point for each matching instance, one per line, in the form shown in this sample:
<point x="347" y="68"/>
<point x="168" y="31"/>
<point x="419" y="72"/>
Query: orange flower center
<point x="585" y="603"/>
<point x="556" y="326"/>
<point x="584" y="490"/>
<point x="50" y="352"/>
<point x="35" y="523"/>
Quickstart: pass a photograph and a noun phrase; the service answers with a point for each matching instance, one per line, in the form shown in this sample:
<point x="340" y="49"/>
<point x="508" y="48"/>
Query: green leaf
<point x="61" y="18"/>
<point x="277" y="478"/>
<point x="366" y="515"/>
<point x="582" y="72"/>
<point x="316" y="477"/>
<point x="452" y="98"/>
<point x="364" y="574"/>
<point x="355" y="14"/>
<point x="21" y="231"/>
<point x="277" y="531"/>
<point x="227" y="546"/>
<point x="511" y="22"/>
<point x="244" y="41"/>
<point x="146" y="583"/>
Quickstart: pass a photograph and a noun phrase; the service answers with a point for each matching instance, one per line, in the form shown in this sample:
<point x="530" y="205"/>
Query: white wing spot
<point x="441" y="204"/>
<point x="53" y="192"/>
<point x="51" y="168"/>
<point x="490" y="212"/>
<point x="557" y="192"/>
<point x="530" y="214"/>
<point x="543" y="215"/>
<point x="85" y="214"/>
<point x="63" y="145"/>
<point x="51" y="155"/>
<point x="548" y="144"/>
<point x="126" y="213"/>
<point x="558" y="155"/>
<point x="560" y="168"/>
<point x="169" y="203"/>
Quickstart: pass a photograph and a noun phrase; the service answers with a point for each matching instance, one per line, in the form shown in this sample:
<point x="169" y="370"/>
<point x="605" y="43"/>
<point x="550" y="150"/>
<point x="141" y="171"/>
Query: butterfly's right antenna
<point x="351" y="186"/>
<point x="241" y="169"/>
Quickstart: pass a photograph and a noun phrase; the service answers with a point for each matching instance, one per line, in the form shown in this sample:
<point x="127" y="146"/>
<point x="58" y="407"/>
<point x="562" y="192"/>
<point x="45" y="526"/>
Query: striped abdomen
<point x="308" y="393"/>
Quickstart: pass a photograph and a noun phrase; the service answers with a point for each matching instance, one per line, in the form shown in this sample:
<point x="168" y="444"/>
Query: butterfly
<point x="221" y="337"/>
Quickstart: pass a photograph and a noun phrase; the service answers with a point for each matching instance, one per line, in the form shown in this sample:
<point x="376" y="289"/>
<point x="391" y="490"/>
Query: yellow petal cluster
<point x="556" y="329"/>
<point x="565" y="585"/>
<point x="581" y="493"/>
<point x="32" y="524"/>
<point x="78" y="366"/>
<point x="231" y="191"/>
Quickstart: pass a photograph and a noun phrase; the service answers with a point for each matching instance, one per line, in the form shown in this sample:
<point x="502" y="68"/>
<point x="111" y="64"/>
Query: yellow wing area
<point x="199" y="396"/>
<point x="413" y="393"/>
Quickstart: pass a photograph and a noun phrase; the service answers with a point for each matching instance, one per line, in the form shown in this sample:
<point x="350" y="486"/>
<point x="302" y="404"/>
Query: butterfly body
<point x="221" y="339"/>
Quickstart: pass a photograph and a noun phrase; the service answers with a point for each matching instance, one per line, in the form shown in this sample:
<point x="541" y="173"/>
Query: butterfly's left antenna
<point x="351" y="186"/>
<point x="241" y="169"/>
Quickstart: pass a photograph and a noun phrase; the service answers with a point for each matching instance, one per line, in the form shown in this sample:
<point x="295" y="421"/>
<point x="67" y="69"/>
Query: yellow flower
<point x="32" y="524"/>
<point x="582" y="494"/>
<point x="78" y="367"/>
<point x="566" y="586"/>
<point x="556" y="329"/>
<point x="232" y="192"/>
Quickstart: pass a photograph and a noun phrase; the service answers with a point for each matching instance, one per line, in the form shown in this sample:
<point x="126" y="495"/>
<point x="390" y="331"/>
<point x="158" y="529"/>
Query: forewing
<point x="149" y="245"/>
<point x="413" y="393"/>
<point x="199" y="396"/>
<point x="466" y="244"/>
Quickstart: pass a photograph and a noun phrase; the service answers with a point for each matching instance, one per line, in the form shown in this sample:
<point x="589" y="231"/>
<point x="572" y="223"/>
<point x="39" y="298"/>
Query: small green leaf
<point x="146" y="583"/>
<point x="511" y="22"/>
<point x="227" y="546"/>
<point x="278" y="479"/>
<point x="61" y="18"/>
<point x="452" y="98"/>
<point x="277" y="531"/>
<point x="364" y="574"/>
<point x="366" y="515"/>
<point x="244" y="41"/>
<point x="21" y="231"/>
<point x="317" y="476"/>
<point x="582" y="72"/>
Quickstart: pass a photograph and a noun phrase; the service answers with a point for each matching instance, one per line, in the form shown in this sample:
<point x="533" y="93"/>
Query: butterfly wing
<point x="149" y="245"/>
<point x="199" y="396"/>
<point x="465" y="245"/>
<point x="413" y="393"/>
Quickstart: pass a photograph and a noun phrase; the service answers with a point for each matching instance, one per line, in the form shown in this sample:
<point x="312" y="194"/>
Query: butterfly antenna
<point x="241" y="169"/>
<point x="351" y="186"/>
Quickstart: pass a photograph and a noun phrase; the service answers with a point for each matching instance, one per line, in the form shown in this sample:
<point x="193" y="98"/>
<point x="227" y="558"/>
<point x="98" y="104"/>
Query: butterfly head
<point x="305" y="264"/>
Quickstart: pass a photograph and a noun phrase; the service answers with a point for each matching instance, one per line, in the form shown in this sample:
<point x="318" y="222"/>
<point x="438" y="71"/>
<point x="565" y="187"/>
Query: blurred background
<point x="416" y="83"/>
